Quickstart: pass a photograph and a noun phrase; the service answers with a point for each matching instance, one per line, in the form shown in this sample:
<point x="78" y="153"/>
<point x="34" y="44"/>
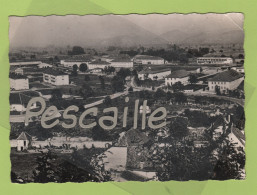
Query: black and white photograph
<point x="99" y="98"/>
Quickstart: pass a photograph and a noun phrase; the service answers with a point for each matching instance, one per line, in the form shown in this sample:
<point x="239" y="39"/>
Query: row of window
<point x="218" y="82"/>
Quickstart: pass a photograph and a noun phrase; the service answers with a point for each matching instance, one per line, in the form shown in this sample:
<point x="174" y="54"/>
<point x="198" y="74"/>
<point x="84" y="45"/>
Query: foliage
<point x="83" y="67"/>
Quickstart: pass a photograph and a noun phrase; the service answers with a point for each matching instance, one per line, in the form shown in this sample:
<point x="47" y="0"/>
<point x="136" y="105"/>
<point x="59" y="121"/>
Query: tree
<point x="99" y="134"/>
<point x="178" y="128"/>
<point x="107" y="101"/>
<point x="241" y="56"/>
<point x="159" y="94"/>
<point x="86" y="91"/>
<point x="192" y="79"/>
<point x="101" y="78"/>
<point x="180" y="97"/>
<point x="178" y="86"/>
<point x="117" y="84"/>
<point x="83" y="67"/>
<point x="76" y="50"/>
<point x="87" y="78"/>
<point x="75" y="70"/>
<point x="130" y="89"/>
<point x="56" y="95"/>
<point x="217" y="90"/>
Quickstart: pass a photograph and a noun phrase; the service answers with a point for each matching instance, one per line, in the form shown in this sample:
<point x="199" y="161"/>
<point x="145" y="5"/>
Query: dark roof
<point x="122" y="60"/>
<point x="226" y="76"/>
<point x="54" y="72"/>
<point x="146" y="57"/>
<point x="24" y="136"/>
<point x="79" y="58"/>
<point x="178" y="74"/>
<point x="17" y="76"/>
<point x="150" y="71"/>
<point x="100" y="62"/>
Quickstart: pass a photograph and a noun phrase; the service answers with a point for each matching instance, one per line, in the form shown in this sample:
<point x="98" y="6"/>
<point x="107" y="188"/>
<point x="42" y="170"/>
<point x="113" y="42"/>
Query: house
<point x="237" y="137"/>
<point x="122" y="62"/>
<point x="98" y="64"/>
<point x="23" y="141"/>
<point x="76" y="60"/>
<point x="19" y="71"/>
<point x="44" y="65"/>
<point x="115" y="158"/>
<point x="145" y="59"/>
<point x="55" y="77"/>
<point x="18" y="82"/>
<point x="177" y="76"/>
<point x="214" y="60"/>
<point x="96" y="70"/>
<point x="19" y="102"/>
<point x="227" y="80"/>
<point x="153" y="74"/>
<point x="239" y="69"/>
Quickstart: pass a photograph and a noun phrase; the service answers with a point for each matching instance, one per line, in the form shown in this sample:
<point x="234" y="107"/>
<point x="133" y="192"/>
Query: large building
<point x="75" y="60"/>
<point x="122" y="63"/>
<point x="153" y="74"/>
<point x="55" y="77"/>
<point x="228" y="80"/>
<point x="25" y="63"/>
<point x="98" y="64"/>
<point x="177" y="76"/>
<point x="145" y="59"/>
<point x="18" y="82"/>
<point x="214" y="60"/>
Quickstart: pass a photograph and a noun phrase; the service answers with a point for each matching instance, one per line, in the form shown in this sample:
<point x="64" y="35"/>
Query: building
<point x="19" y="102"/>
<point x="122" y="63"/>
<point x="75" y="60"/>
<point x="25" y="63"/>
<point x="239" y="69"/>
<point x="237" y="137"/>
<point x="23" y="141"/>
<point x="44" y="65"/>
<point x="19" y="71"/>
<point x="227" y="80"/>
<point x="153" y="74"/>
<point x="214" y="60"/>
<point x="18" y="82"/>
<point x="177" y="76"/>
<point x="96" y="71"/>
<point x="145" y="59"/>
<point x="98" y="64"/>
<point x="55" y="77"/>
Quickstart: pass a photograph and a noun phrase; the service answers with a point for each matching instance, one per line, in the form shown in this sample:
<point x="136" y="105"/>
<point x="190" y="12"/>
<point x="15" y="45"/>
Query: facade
<point x="177" y="76"/>
<point x="55" y="77"/>
<point x="44" y="65"/>
<point x="18" y="82"/>
<point x="23" y="141"/>
<point x="153" y="74"/>
<point x="227" y="80"/>
<point x="145" y="59"/>
<point x="214" y="60"/>
<point x="122" y="63"/>
<point x="98" y="64"/>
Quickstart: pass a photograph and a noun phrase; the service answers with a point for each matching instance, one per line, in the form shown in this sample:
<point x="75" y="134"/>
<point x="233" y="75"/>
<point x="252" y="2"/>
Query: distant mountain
<point x="178" y="36"/>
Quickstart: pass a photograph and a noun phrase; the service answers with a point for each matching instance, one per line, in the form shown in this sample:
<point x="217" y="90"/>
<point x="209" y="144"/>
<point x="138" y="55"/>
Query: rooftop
<point x="17" y="76"/>
<point x="100" y="62"/>
<point x="178" y="74"/>
<point x="54" y="72"/>
<point x="146" y="57"/>
<point x="227" y="76"/>
<point x="150" y="71"/>
<point x="24" y="136"/>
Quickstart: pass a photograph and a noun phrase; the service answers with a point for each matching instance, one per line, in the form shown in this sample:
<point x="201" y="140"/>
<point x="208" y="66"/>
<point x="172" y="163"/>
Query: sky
<point x="39" y="31"/>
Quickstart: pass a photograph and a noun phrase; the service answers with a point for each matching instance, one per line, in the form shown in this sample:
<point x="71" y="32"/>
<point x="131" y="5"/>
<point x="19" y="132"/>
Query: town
<point x="179" y="107"/>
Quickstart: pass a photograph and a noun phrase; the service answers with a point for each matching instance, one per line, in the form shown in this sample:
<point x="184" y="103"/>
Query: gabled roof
<point x="227" y="76"/>
<point x="24" y="136"/>
<point x="178" y="74"/>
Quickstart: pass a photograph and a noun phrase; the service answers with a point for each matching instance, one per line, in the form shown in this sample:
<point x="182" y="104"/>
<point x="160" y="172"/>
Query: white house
<point x="23" y="141"/>
<point x="177" y="76"/>
<point x="153" y="74"/>
<point x="98" y="64"/>
<point x="237" y="137"/>
<point x="18" y="82"/>
<point x="122" y="63"/>
<point x="145" y="59"/>
<point x="214" y="60"/>
<point x="44" y="65"/>
<point x="55" y="77"/>
<point x="227" y="80"/>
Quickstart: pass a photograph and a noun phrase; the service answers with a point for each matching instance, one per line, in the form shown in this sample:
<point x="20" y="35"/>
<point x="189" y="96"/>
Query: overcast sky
<point x="69" y="30"/>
